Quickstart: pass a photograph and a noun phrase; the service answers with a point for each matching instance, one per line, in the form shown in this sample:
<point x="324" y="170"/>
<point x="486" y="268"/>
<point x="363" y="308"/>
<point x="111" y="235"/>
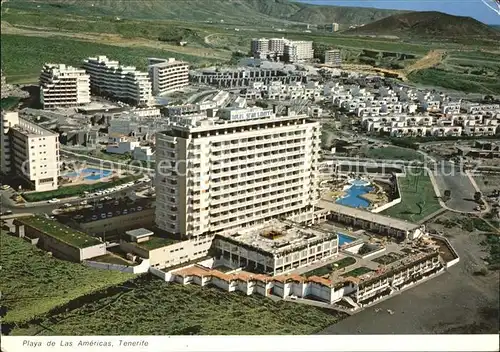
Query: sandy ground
<point x="454" y="303"/>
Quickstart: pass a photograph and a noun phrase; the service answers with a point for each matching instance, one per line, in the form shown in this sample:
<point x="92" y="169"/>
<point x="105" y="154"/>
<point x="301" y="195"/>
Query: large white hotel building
<point x="30" y="152"/>
<point x="243" y="168"/>
<point x="281" y="48"/>
<point x="63" y="86"/>
<point x="124" y="83"/>
<point x="168" y="75"/>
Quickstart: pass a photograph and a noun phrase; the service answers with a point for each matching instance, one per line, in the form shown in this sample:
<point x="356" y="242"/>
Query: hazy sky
<point x="472" y="8"/>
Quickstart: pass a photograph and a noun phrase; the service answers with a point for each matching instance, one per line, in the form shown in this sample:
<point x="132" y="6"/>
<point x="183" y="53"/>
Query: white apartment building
<point x="260" y="48"/>
<point x="63" y="86"/>
<point x="333" y="57"/>
<point x="30" y="152"/>
<point x="124" y="83"/>
<point x="168" y="75"/>
<point x="298" y="51"/>
<point x="226" y="173"/>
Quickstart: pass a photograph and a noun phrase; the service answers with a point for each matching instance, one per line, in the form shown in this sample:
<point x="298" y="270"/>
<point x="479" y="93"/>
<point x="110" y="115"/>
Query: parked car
<point x="5" y="187"/>
<point x="54" y="200"/>
<point x="99" y="206"/>
<point x="7" y="212"/>
<point x="83" y="202"/>
<point x="125" y="212"/>
<point x="139" y="208"/>
<point x="103" y="215"/>
<point x="94" y="217"/>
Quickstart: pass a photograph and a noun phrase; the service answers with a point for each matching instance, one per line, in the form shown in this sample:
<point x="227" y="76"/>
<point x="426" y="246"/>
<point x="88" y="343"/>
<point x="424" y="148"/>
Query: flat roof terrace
<point x="59" y="231"/>
<point x="278" y="236"/>
<point x="368" y="216"/>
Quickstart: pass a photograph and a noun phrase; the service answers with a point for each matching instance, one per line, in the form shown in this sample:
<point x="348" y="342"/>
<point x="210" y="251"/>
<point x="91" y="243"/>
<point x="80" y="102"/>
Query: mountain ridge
<point x="424" y="24"/>
<point x="244" y="11"/>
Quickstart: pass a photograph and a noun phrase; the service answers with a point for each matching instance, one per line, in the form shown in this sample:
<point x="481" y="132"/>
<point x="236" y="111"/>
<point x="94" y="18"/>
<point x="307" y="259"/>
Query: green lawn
<point x="60" y="231"/>
<point x="33" y="282"/>
<point x="392" y="152"/>
<point x="156" y="242"/>
<point x="9" y="103"/>
<point x="149" y="306"/>
<point x="418" y="198"/>
<point x="23" y="56"/>
<point x="72" y="191"/>
<point x="358" y="272"/>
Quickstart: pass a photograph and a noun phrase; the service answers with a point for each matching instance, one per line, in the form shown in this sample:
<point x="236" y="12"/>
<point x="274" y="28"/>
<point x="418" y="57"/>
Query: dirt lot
<point x="454" y="303"/>
<point x="488" y="183"/>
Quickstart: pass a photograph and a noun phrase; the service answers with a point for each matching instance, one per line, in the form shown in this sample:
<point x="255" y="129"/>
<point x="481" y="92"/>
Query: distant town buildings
<point x="281" y="49"/>
<point x="168" y="75"/>
<point x="63" y="86"/>
<point x="30" y="152"/>
<point x="333" y="58"/>
<point x="124" y="83"/>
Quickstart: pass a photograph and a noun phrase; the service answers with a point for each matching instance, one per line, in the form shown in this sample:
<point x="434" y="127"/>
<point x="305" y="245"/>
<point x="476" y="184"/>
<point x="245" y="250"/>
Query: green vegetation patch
<point x="418" y="197"/>
<point x="329" y="268"/>
<point x="72" y="191"/>
<point x="33" y="283"/>
<point x="9" y="103"/>
<point x="457" y="81"/>
<point x="156" y="242"/>
<point x="149" y="306"/>
<point x="392" y="152"/>
<point x="23" y="57"/>
<point x="59" y="231"/>
<point x="492" y="241"/>
<point x="358" y="272"/>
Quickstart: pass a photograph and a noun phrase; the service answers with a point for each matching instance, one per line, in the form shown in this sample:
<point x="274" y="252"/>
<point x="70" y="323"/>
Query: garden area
<point x="392" y="153"/>
<point x="149" y="306"/>
<point x="358" y="272"/>
<point x="9" y="103"/>
<point x="418" y="198"/>
<point x="329" y="268"/>
<point x="33" y="282"/>
<point x="74" y="191"/>
<point x="388" y="258"/>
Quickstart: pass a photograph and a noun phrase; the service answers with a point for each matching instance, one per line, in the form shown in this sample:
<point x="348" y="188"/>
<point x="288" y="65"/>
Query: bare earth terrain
<point x="454" y="303"/>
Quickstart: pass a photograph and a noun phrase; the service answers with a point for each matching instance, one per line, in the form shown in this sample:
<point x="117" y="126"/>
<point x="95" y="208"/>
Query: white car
<point x="54" y="200"/>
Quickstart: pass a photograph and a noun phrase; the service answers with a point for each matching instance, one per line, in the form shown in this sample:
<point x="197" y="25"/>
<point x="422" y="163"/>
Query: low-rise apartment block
<point x="30" y="152"/>
<point x="63" y="86"/>
<point x="168" y="75"/>
<point x="124" y="83"/>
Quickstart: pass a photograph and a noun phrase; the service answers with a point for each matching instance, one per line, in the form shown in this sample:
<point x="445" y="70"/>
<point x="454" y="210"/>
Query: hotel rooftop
<point x="278" y="236"/>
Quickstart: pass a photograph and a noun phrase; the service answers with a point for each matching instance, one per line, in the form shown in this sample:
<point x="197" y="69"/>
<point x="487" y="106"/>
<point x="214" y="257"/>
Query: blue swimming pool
<point x="90" y="174"/>
<point x="352" y="197"/>
<point x="343" y="239"/>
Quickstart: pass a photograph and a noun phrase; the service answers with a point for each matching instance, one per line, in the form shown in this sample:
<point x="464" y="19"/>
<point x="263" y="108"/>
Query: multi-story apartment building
<point x="259" y="48"/>
<point x="123" y="83"/>
<point x="30" y="152"/>
<point x="63" y="86"/>
<point x="168" y="75"/>
<point x="333" y="58"/>
<point x="298" y="51"/>
<point x="281" y="48"/>
<point x="246" y="167"/>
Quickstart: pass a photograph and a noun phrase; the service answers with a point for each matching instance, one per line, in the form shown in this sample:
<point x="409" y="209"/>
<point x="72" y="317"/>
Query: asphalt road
<point x="449" y="176"/>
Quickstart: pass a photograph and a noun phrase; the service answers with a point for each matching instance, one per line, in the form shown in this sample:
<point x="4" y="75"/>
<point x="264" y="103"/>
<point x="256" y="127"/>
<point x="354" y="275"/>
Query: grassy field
<point x="149" y="306"/>
<point x="33" y="282"/>
<point x="468" y="71"/>
<point x="418" y="198"/>
<point x="23" y="56"/>
<point x="9" y="103"/>
<point x="391" y="152"/>
<point x="62" y="232"/>
<point x="72" y="191"/>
